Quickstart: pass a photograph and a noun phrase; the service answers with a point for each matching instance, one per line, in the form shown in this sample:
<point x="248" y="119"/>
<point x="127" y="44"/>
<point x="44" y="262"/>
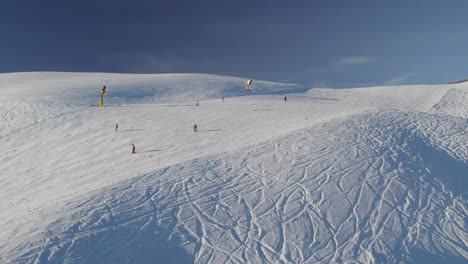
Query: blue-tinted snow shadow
<point x="293" y="97"/>
<point x="450" y="171"/>
<point x="120" y="224"/>
<point x="131" y="130"/>
<point x="184" y="105"/>
<point x="324" y="98"/>
<point x="117" y="245"/>
<point x="153" y="150"/>
<point x="136" y="105"/>
<point x="421" y="257"/>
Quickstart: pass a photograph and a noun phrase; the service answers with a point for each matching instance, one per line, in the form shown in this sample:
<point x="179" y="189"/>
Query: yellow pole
<point x="101" y="101"/>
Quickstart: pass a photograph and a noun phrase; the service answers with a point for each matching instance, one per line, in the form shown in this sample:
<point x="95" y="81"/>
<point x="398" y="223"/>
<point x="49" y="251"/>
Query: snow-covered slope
<point x="371" y="175"/>
<point x="83" y="88"/>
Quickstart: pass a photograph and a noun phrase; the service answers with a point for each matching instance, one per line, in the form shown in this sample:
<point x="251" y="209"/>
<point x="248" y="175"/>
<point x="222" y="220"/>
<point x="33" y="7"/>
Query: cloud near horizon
<point x="335" y="65"/>
<point x="401" y="79"/>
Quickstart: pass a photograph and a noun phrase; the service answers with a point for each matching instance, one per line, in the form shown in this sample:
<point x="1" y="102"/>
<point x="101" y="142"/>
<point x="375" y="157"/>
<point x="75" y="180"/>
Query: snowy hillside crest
<point x="370" y="175"/>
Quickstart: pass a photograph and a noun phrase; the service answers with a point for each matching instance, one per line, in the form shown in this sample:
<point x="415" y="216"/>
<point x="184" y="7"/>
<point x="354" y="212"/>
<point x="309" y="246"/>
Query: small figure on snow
<point x="133" y="149"/>
<point x="253" y="107"/>
<point x="285" y="99"/>
<point x="223" y="99"/>
<point x="195" y="128"/>
<point x="116" y="127"/>
<point x="197" y="104"/>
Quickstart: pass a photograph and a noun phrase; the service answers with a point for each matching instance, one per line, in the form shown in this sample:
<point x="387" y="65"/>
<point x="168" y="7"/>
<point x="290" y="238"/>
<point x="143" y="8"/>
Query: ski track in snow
<point x="379" y="186"/>
<point x="253" y="212"/>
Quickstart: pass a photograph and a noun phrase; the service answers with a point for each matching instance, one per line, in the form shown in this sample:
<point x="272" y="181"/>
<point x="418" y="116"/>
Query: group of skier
<point x="195" y="126"/>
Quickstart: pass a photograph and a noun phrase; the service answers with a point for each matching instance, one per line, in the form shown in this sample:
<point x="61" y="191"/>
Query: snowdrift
<point x="374" y="175"/>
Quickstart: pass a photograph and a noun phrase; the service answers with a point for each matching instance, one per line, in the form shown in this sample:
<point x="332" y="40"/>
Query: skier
<point x="285" y="99"/>
<point x="133" y="149"/>
<point x="197" y="104"/>
<point x="195" y="128"/>
<point x="116" y="127"/>
<point x="223" y="99"/>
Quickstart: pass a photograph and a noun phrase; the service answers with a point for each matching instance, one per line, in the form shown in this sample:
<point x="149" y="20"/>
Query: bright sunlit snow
<point x="369" y="175"/>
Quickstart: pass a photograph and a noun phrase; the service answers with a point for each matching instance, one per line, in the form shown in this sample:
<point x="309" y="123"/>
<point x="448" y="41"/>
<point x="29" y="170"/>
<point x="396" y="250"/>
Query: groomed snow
<point x="370" y="175"/>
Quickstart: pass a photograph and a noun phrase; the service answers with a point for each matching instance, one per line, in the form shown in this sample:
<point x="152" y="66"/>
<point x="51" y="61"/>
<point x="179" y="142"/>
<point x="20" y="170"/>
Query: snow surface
<point x="370" y="175"/>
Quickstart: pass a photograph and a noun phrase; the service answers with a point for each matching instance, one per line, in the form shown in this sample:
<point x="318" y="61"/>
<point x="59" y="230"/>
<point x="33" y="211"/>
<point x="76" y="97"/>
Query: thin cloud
<point x="460" y="36"/>
<point x="319" y="70"/>
<point x="355" y="60"/>
<point x="400" y="79"/>
<point x="336" y="65"/>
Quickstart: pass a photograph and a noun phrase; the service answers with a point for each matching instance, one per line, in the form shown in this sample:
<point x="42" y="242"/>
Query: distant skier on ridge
<point x="133" y="149"/>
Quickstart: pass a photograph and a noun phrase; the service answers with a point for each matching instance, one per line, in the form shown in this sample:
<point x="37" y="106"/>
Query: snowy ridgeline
<point x="32" y="97"/>
<point x="83" y="88"/>
<point x="373" y="175"/>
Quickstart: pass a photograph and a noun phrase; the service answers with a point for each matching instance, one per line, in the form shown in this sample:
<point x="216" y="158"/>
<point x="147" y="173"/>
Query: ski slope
<point x="369" y="175"/>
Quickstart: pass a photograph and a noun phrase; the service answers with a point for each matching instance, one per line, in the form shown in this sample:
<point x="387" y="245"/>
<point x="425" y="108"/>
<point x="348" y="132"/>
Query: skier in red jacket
<point x="195" y="128"/>
<point x="133" y="148"/>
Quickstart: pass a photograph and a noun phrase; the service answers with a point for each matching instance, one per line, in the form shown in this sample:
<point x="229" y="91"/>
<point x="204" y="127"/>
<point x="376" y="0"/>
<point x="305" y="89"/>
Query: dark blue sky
<point x="327" y="43"/>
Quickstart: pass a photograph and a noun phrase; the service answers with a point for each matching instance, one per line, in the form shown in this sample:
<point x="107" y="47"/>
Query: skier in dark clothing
<point x="116" y="127"/>
<point x="285" y="99"/>
<point x="195" y="128"/>
<point x="133" y="148"/>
